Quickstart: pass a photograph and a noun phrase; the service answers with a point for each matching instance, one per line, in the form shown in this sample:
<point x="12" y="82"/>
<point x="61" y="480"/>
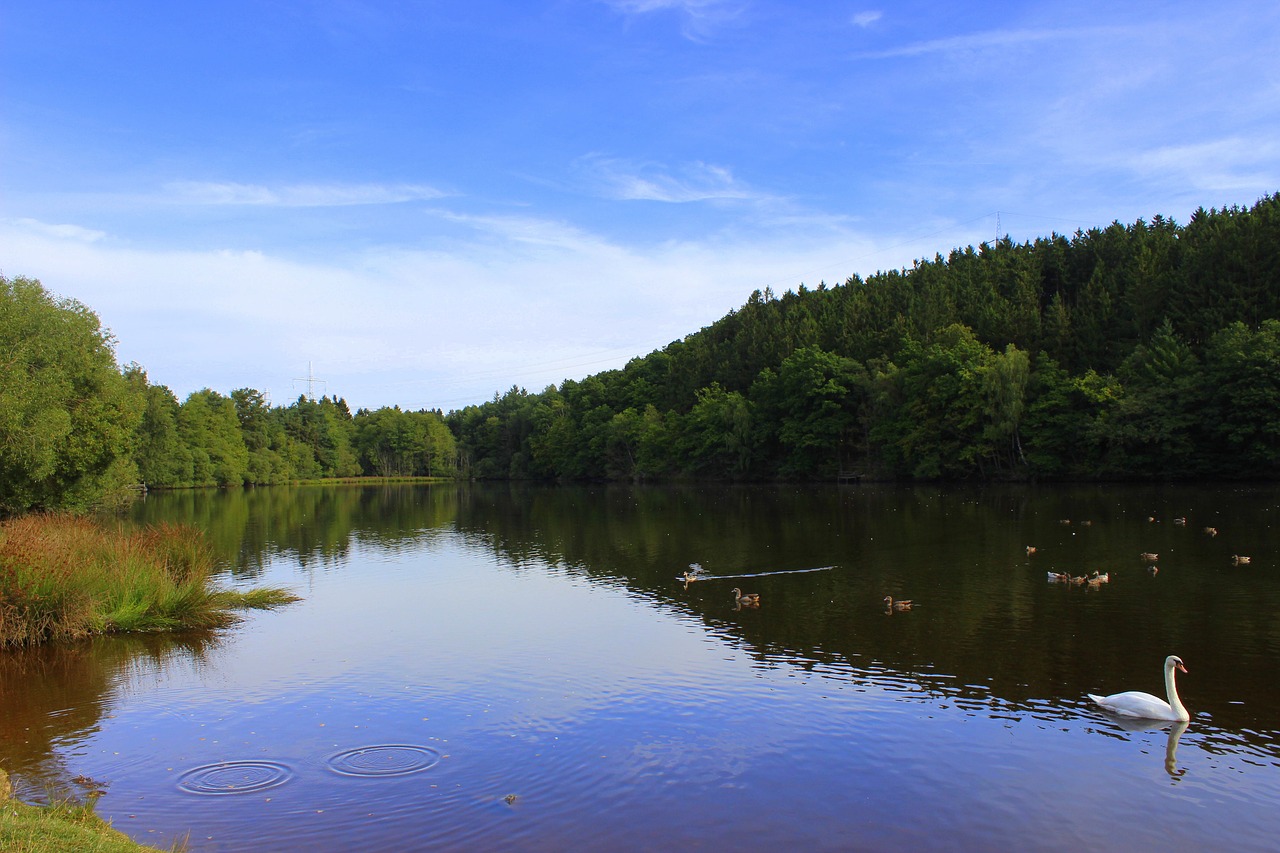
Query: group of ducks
<point x="742" y="599"/>
<point x="1098" y="578"/>
<point x="695" y="572"/>
<point x="1236" y="559"/>
<point x="1094" y="580"/>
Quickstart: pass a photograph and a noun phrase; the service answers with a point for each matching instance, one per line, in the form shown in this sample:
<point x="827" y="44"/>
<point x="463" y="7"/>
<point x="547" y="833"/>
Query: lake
<point x="497" y="667"/>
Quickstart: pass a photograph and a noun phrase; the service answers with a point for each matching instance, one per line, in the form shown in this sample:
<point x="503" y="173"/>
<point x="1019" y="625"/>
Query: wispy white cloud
<point x="1231" y="163"/>
<point x="691" y="182"/>
<point x="699" y="17"/>
<point x="990" y="40"/>
<point x="63" y="232"/>
<point x="297" y="195"/>
<point x="866" y="19"/>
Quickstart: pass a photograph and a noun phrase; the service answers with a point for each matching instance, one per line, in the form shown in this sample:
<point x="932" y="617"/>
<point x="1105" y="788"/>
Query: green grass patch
<point x="66" y="577"/>
<point x="371" y="481"/>
<point x="57" y="828"/>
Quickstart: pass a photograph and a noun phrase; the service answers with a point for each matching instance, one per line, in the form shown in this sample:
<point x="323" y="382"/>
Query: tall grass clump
<point x="65" y="577"/>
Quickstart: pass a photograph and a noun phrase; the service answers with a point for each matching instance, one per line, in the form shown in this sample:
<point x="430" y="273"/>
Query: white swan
<point x="1135" y="703"/>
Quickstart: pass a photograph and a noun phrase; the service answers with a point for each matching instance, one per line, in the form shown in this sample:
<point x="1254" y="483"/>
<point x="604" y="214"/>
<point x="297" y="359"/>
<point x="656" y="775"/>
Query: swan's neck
<point x="1171" y="688"/>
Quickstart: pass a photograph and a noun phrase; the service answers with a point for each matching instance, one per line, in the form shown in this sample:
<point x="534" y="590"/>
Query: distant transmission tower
<point x="999" y="235"/>
<point x="311" y="383"/>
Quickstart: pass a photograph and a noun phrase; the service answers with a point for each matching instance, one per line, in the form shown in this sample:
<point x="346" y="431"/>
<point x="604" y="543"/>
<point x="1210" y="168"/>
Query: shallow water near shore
<point x="509" y="667"/>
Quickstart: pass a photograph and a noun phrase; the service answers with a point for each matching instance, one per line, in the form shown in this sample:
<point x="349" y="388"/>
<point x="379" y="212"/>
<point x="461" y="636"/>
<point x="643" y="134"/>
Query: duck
<point x="1078" y="579"/>
<point x="892" y="605"/>
<point x="1135" y="703"/>
<point x="1059" y="577"/>
<point x="1180" y="521"/>
<point x="1240" y="561"/>
<point x="750" y="599"/>
<point x="1212" y="531"/>
<point x="1100" y="578"/>
<point x="1153" y="570"/>
<point x="1031" y="549"/>
<point x="695" y="572"/>
<point x="1150" y="558"/>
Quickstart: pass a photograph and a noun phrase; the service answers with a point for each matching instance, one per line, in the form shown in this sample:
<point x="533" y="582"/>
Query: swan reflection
<point x="1131" y="724"/>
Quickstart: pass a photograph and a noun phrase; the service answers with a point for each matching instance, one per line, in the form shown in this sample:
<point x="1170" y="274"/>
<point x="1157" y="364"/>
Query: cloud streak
<point x="700" y="17"/>
<point x="61" y="232"/>
<point x="625" y="180"/>
<point x="297" y="195"/>
<point x="990" y="40"/>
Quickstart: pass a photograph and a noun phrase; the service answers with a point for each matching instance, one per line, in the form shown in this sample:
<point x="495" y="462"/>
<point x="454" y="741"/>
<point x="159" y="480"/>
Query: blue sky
<point x="429" y="202"/>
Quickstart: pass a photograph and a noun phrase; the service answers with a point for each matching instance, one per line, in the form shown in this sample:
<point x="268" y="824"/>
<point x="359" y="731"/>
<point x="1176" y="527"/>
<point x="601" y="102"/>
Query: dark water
<point x="501" y="668"/>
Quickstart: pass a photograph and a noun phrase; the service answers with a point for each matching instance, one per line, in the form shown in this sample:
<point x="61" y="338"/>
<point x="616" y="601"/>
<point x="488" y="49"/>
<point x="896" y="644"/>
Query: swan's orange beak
<point x="1181" y="668"/>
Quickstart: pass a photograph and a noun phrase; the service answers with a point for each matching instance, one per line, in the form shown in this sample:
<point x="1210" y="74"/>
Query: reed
<point x="65" y="577"/>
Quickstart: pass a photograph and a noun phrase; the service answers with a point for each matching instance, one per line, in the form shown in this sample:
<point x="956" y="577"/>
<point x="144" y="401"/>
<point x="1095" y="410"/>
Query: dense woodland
<point x="1149" y="350"/>
<point x="75" y="428"/>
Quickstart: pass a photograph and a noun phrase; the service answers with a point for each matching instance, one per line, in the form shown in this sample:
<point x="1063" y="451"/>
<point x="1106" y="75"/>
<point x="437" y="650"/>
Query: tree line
<point x="1149" y="350"/>
<point x="75" y="427"/>
<point x="215" y="440"/>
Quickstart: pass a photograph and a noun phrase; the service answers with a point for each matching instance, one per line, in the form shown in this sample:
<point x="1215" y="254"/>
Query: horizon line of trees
<point x="77" y="430"/>
<point x="214" y="440"/>
<point x="1149" y="350"/>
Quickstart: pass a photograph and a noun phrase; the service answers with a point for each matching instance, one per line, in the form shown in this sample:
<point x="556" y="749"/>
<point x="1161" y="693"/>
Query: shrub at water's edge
<point x="64" y="577"/>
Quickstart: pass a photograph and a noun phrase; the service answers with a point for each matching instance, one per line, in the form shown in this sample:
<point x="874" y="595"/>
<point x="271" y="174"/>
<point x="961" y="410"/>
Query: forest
<point x="77" y="430"/>
<point x="1141" y="351"/>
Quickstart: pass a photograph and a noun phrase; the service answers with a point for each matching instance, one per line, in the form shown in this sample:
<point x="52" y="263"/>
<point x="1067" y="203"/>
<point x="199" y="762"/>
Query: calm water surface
<point x="499" y="668"/>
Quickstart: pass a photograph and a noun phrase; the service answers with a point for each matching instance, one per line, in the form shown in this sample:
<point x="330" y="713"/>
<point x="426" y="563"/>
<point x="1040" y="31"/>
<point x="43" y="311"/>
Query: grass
<point x="57" y="828"/>
<point x="371" y="480"/>
<point x="65" y="577"/>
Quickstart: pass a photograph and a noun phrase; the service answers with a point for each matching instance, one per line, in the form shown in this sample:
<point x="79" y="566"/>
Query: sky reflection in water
<point x="569" y="693"/>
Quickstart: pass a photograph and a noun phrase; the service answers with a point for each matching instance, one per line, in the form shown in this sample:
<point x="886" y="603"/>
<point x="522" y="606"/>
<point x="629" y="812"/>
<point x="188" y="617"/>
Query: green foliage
<point x="209" y="427"/>
<point x="392" y="443"/>
<point x="1241" y="417"/>
<point x="716" y="436"/>
<point x="67" y="413"/>
<point x="927" y="372"/>
<point x="815" y="408"/>
<point x="937" y="429"/>
<point x="1155" y="356"/>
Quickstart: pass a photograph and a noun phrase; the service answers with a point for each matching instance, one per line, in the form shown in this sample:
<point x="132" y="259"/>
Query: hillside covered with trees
<point x="1149" y="350"/>
<point x="1141" y="351"/>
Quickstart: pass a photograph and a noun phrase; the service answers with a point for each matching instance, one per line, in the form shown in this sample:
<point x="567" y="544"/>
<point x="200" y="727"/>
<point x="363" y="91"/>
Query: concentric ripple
<point x="234" y="777"/>
<point x="388" y="759"/>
